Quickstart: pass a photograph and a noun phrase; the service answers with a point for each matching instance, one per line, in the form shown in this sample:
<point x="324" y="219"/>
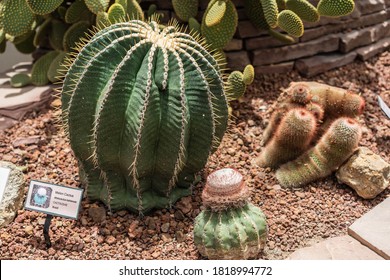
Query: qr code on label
<point x="41" y="196"/>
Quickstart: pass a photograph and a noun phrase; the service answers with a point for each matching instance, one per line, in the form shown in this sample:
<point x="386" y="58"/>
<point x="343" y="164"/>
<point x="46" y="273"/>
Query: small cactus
<point x="335" y="8"/>
<point x="20" y="80"/>
<point x="230" y="227"/>
<point x="292" y="137"/>
<point x="291" y="23"/>
<point x="185" y="9"/>
<point x="96" y="6"/>
<point x="271" y="11"/>
<point x="237" y="82"/>
<point x="304" y="9"/>
<point x="334" y="147"/>
<point x="40" y="7"/>
<point x="156" y="111"/>
<point x="248" y="75"/>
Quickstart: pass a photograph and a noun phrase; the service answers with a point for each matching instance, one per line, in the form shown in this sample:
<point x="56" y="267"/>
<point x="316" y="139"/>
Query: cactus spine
<point x="156" y="113"/>
<point x="292" y="137"/>
<point x="230" y="227"/>
<point x="334" y="147"/>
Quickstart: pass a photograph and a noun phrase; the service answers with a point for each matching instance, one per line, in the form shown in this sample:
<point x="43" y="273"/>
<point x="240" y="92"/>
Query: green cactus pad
<point x="151" y="10"/>
<point x="334" y="148"/>
<point x="40" y="7"/>
<point x="233" y="234"/>
<point x="20" y="80"/>
<point x="304" y="9"/>
<point x="335" y="8"/>
<point x="74" y="34"/>
<point x="26" y="46"/>
<point x="116" y="13"/>
<point x="185" y="9"/>
<point x="41" y="67"/>
<point x="96" y="6"/>
<point x="291" y="23"/>
<point x="248" y="75"/>
<point x="56" y="68"/>
<point x="270" y="8"/>
<point x="144" y="108"/>
<point x="57" y="34"/>
<point x="215" y="14"/>
<point x="78" y="11"/>
<point x="62" y="12"/>
<point x="255" y="13"/>
<point x="194" y="26"/>
<point x="123" y="3"/>
<point x="134" y="10"/>
<point x="235" y="87"/>
<point x="42" y="31"/>
<point x="281" y="36"/>
<point x="220" y="34"/>
<point x="18" y="18"/>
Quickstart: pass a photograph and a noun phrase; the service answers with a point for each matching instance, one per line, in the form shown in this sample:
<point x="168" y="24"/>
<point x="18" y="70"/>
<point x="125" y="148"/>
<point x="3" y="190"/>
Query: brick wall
<point x="326" y="44"/>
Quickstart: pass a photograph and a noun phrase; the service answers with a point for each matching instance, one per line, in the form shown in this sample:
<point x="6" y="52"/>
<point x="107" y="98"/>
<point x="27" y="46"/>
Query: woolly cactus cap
<point x="225" y="188"/>
<point x="299" y="92"/>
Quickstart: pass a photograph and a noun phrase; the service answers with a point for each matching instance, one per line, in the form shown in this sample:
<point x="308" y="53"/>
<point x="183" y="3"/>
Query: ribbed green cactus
<point x="335" y="8"/>
<point x="291" y="23"/>
<point x="144" y="108"/>
<point x="304" y="9"/>
<point x="230" y="227"/>
<point x="219" y="34"/>
<point x="185" y="9"/>
<point x="270" y="8"/>
<point x="334" y="147"/>
<point x="40" y="7"/>
<point x="17" y="17"/>
<point x="292" y="137"/>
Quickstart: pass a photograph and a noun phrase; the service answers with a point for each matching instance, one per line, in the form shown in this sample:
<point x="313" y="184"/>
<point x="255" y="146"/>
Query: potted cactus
<point x="230" y="227"/>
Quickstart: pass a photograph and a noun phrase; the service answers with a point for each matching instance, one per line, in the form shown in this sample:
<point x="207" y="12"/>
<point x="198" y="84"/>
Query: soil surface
<point x="296" y="218"/>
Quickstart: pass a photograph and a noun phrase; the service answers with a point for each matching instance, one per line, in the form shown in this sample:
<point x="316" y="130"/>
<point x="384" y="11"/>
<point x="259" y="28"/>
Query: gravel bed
<point x="296" y="218"/>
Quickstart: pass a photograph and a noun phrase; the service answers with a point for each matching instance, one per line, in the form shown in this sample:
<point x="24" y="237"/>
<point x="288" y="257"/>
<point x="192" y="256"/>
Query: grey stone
<point x="314" y="65"/>
<point x="366" y="172"/>
<point x="263" y="42"/>
<point x="373" y="229"/>
<point x="275" y="68"/>
<point x="13" y="194"/>
<point x="367" y="52"/>
<point x="314" y="33"/>
<point x="337" y="248"/>
<point x="356" y="38"/>
<point x="98" y="214"/>
<point x="237" y="60"/>
<point x="325" y="44"/>
<point x="6" y="122"/>
<point x="370" y="6"/>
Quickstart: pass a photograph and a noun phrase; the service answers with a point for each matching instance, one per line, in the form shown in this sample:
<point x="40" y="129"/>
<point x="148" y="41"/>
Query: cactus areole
<point x="144" y="108"/>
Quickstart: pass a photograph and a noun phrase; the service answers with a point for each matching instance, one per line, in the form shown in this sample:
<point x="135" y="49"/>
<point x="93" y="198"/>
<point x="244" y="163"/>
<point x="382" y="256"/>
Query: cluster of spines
<point x="230" y="227"/>
<point x="333" y="111"/>
<point x="147" y="184"/>
<point x="334" y="147"/>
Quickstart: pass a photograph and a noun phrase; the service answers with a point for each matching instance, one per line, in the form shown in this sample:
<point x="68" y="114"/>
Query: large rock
<point x="366" y="172"/>
<point x="13" y="194"/>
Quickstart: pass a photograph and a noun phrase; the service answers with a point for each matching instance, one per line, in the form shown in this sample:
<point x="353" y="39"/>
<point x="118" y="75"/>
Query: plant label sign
<point x="4" y="174"/>
<point x="53" y="199"/>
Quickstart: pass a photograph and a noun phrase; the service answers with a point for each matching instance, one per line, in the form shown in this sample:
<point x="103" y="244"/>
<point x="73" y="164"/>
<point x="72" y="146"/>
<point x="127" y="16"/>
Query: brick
<point x="284" y="67"/>
<point x="320" y="31"/>
<point x="262" y="42"/>
<point x="356" y="39"/>
<point x="234" y="45"/>
<point x="325" y="44"/>
<point x="367" y="52"/>
<point x="370" y="6"/>
<point x="237" y="60"/>
<point x="314" y="65"/>
<point x="241" y="14"/>
<point x="381" y="30"/>
<point x="246" y="29"/>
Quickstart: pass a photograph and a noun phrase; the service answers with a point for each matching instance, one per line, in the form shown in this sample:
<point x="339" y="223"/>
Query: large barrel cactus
<point x="144" y="108"/>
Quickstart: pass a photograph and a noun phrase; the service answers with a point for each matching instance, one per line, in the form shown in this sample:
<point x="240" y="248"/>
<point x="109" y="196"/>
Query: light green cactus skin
<point x="248" y="75"/>
<point x="17" y="17"/>
<point x="41" y="67"/>
<point x="291" y="23"/>
<point x="116" y="13"/>
<point x="335" y="8"/>
<point x="218" y="35"/>
<point x="334" y="147"/>
<point x="143" y="110"/>
<point x="216" y="13"/>
<point x="123" y="3"/>
<point x="96" y="6"/>
<point x="134" y="10"/>
<point x="20" y="80"/>
<point x="194" y="26"/>
<point x="232" y="234"/>
<point x="304" y="9"/>
<point x="270" y="8"/>
<point x="40" y="7"/>
<point x="235" y="86"/>
<point x="185" y="9"/>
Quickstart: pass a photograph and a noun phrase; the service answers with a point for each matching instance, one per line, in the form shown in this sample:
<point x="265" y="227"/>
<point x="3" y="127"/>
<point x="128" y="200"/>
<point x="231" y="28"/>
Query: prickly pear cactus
<point x="185" y="9"/>
<point x="230" y="227"/>
<point x="332" y="8"/>
<point x="144" y="108"/>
